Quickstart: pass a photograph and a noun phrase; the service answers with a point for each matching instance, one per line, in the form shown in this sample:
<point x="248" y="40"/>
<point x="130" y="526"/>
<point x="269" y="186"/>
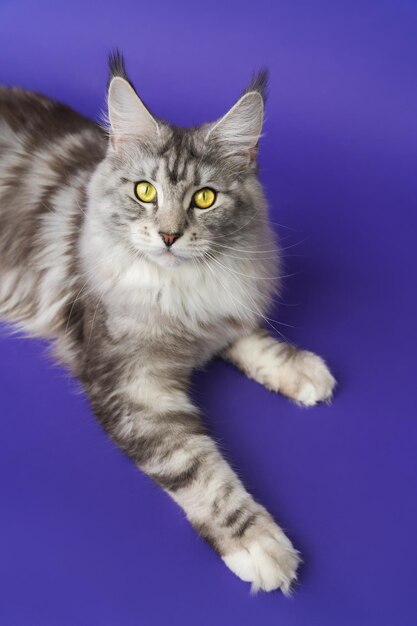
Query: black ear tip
<point x="117" y="66"/>
<point x="259" y="82"/>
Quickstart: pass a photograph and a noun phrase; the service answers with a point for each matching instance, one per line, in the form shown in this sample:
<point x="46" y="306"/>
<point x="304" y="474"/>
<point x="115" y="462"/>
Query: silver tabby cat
<point x="141" y="253"/>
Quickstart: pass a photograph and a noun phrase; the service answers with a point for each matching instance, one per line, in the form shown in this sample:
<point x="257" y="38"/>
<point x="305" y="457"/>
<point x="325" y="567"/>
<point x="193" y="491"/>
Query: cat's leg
<point x="161" y="431"/>
<point x="298" y="374"/>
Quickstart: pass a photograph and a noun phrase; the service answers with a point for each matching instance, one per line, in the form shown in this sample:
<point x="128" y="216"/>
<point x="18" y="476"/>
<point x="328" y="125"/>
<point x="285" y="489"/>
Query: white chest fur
<point x="193" y="294"/>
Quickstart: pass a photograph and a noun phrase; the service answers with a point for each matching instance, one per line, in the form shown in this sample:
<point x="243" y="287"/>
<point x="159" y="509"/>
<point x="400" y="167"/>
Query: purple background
<point x="85" y="539"/>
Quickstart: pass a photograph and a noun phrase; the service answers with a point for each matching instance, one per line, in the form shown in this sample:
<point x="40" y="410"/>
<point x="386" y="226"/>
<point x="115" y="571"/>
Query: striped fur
<point x="82" y="263"/>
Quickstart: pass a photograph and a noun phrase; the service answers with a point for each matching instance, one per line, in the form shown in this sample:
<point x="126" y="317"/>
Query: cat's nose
<point x="170" y="238"/>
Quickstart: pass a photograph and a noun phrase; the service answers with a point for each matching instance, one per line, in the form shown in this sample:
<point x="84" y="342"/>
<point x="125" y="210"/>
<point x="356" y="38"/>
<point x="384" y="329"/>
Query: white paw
<point x="268" y="562"/>
<point x="306" y="379"/>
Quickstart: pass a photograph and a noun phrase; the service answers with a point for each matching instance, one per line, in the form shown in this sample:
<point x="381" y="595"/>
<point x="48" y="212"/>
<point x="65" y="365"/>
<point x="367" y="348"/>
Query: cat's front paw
<point x="266" y="558"/>
<point x="306" y="379"/>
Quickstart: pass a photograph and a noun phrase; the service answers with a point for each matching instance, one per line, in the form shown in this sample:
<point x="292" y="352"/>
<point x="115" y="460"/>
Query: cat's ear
<point x="239" y="130"/>
<point x="129" y="118"/>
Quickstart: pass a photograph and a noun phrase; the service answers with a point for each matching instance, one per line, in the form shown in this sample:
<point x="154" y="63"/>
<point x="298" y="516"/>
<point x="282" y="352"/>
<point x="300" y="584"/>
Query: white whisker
<point x="268" y="320"/>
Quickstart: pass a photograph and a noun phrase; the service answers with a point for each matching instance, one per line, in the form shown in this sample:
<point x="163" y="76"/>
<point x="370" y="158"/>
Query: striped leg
<point x="298" y="374"/>
<point x="166" y="439"/>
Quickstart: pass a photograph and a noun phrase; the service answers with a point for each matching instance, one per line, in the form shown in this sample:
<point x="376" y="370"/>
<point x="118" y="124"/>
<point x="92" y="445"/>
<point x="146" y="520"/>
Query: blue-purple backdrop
<point x="86" y="540"/>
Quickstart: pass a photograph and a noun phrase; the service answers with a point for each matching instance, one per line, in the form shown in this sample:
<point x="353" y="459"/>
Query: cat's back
<point x="42" y="143"/>
<point x="48" y="152"/>
<point x="34" y="130"/>
<point x="38" y="117"/>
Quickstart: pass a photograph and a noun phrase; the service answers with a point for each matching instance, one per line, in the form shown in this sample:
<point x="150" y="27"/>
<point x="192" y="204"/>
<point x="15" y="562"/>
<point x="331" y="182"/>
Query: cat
<point x="142" y="250"/>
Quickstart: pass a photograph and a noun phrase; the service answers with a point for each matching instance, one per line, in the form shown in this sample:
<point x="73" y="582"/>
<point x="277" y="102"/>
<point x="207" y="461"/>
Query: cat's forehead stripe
<point x="177" y="158"/>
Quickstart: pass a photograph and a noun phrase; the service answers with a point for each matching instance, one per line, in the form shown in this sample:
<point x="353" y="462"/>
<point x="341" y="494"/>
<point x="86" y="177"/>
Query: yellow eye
<point x="204" y="198"/>
<point x="145" y="191"/>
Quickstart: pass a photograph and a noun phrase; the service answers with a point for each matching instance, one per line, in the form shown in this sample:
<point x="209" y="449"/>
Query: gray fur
<point x="81" y="263"/>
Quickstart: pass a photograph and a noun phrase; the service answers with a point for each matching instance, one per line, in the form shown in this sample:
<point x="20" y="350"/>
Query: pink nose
<point x="170" y="238"/>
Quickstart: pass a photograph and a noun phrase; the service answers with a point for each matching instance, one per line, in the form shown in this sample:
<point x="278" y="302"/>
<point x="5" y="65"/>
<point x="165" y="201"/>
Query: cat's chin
<point x="167" y="259"/>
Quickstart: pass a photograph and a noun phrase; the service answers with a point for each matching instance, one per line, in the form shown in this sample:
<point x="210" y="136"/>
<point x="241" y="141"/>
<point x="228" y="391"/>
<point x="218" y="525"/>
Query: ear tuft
<point x="237" y="133"/>
<point x="117" y="66"/>
<point x="129" y="117"/>
<point x="259" y="83"/>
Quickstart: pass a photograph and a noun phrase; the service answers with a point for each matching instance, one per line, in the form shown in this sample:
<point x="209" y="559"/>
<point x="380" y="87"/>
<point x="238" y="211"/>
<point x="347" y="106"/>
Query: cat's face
<point x="182" y="195"/>
<point x="179" y="203"/>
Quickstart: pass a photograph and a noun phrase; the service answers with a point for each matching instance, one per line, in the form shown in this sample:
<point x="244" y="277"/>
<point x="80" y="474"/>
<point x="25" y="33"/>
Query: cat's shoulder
<point x="30" y="111"/>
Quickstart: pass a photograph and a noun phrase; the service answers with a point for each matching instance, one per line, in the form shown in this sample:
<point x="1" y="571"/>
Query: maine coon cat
<point x="142" y="252"/>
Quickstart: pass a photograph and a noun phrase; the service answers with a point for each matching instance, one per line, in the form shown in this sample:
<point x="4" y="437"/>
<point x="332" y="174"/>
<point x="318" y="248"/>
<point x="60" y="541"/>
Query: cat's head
<point x="182" y="194"/>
